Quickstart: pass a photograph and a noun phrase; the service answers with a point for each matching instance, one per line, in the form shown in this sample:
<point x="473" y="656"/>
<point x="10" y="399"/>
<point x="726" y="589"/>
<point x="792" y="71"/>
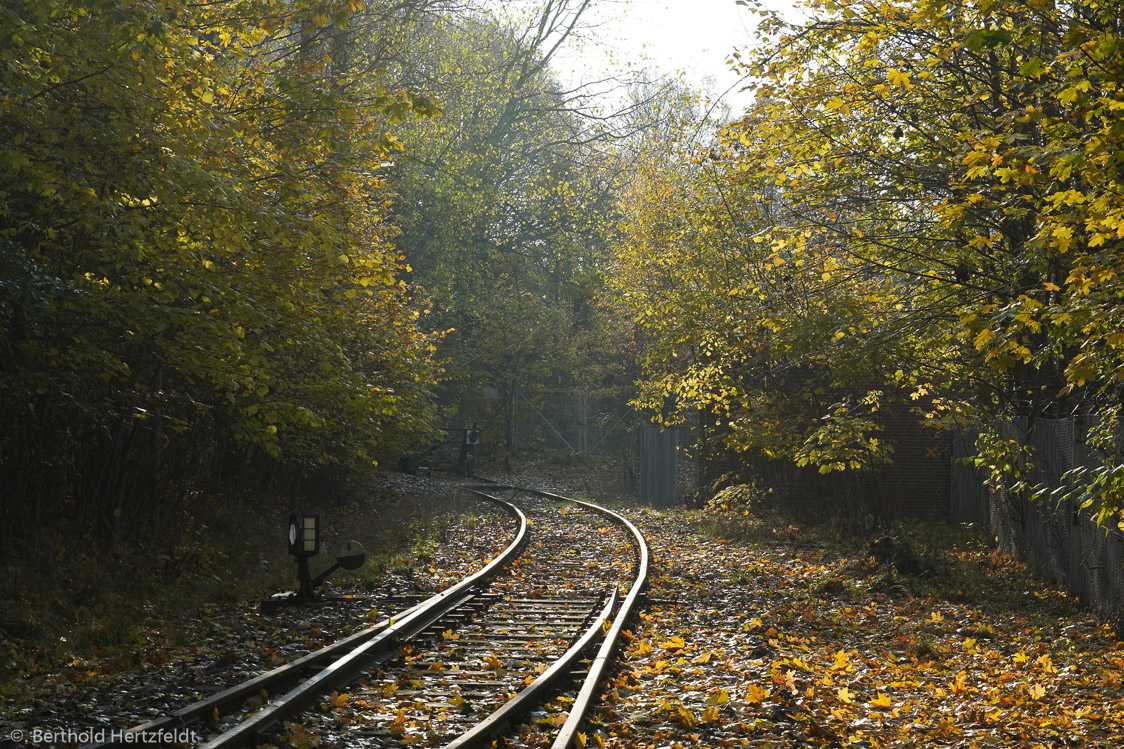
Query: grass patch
<point x="743" y="526"/>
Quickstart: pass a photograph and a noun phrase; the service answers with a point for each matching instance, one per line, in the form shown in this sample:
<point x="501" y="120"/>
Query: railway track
<point x="464" y="666"/>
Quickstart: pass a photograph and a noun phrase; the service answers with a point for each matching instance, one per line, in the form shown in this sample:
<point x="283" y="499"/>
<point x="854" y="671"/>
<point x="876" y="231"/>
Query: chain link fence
<point x="569" y="421"/>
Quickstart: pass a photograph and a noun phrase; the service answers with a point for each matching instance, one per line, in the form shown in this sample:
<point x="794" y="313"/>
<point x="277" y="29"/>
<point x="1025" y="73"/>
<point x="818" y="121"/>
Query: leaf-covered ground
<point x="756" y="633"/>
<point x="160" y="664"/>
<point x="785" y="641"/>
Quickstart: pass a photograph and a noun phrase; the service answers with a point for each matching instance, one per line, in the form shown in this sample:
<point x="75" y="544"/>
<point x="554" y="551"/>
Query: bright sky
<point x="693" y="38"/>
<point x="690" y="36"/>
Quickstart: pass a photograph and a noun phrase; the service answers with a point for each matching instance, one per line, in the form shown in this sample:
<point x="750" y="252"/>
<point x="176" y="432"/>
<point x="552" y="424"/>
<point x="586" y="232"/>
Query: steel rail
<point x="491" y="727"/>
<point x="345" y="669"/>
<point x="588" y="692"/>
<point x="590" y="685"/>
<point x="359" y="648"/>
<point x="374" y="644"/>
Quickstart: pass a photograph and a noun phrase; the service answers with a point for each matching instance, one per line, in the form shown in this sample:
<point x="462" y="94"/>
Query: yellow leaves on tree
<point x="951" y="174"/>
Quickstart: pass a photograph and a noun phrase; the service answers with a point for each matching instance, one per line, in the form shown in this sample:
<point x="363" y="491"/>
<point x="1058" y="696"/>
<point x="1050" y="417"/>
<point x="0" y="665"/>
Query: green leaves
<point x="505" y="209"/>
<point x="988" y="38"/>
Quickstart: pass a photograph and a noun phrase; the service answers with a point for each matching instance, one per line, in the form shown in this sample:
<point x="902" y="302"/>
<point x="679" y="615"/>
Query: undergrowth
<point x="64" y="600"/>
<point x="901" y="559"/>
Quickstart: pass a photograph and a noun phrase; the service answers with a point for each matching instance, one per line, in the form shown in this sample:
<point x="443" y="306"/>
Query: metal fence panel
<point x="569" y="421"/>
<point x="1053" y="538"/>
<point x="659" y="465"/>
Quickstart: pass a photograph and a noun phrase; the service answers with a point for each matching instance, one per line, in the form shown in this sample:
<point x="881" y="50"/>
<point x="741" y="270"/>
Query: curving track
<point x="462" y="667"/>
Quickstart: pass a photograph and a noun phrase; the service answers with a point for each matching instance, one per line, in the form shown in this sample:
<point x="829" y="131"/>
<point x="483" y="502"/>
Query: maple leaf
<point x="298" y="736"/>
<point x="755" y="694"/>
<point x="845" y="695"/>
<point x="556" y="719"/>
<point x="338" y="700"/>
<point x="899" y="78"/>
<point x="882" y="700"/>
<point x="675" y="643"/>
<point x="790" y="680"/>
<point x="721" y="697"/>
<point x="947" y="729"/>
<point x="960" y="683"/>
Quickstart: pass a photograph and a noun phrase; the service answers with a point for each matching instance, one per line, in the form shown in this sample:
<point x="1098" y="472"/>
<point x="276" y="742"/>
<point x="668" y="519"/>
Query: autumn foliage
<point x="197" y="274"/>
<point x="921" y="206"/>
<point x="243" y="243"/>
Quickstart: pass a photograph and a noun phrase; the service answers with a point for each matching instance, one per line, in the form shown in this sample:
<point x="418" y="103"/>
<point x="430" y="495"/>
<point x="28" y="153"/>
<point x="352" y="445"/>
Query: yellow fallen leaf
<point x="755" y="694"/>
<point x="845" y="695"/>
<point x="882" y="700"/>
<point x="721" y="697"/>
